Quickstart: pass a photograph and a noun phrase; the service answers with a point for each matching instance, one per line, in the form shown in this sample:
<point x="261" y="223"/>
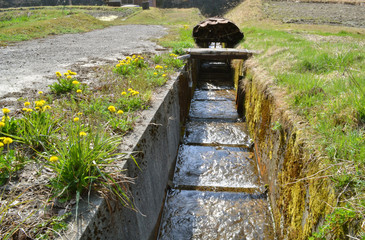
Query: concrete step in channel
<point x="217" y="192"/>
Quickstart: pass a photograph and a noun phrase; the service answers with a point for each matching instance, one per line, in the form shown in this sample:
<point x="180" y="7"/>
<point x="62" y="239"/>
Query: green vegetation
<point x="179" y="39"/>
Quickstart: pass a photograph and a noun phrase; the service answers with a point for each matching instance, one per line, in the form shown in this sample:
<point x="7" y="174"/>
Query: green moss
<point x="299" y="202"/>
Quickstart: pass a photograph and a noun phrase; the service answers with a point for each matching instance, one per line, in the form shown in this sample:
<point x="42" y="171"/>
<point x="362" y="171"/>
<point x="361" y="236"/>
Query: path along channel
<point x="217" y="192"/>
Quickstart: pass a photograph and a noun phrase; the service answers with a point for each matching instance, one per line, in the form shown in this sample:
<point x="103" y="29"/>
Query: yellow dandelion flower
<point x="124" y="93"/>
<point x="53" y="159"/>
<point x="111" y="109"/>
<point x="6" y="110"/>
<point x="79" y="113"/>
<point x="25" y="109"/>
<point x="58" y="74"/>
<point x="2" y="124"/>
<point x="69" y="77"/>
<point x="82" y="134"/>
<point x="1" y="144"/>
<point x="134" y="56"/>
<point x="4" y="118"/>
<point x="46" y="107"/>
<point x="66" y="74"/>
<point x="155" y="73"/>
<point x="164" y="75"/>
<point x="7" y="140"/>
<point x="75" y="82"/>
<point x="40" y="103"/>
<point x="130" y="89"/>
<point x="158" y="67"/>
<point x="26" y="104"/>
<point x="79" y="91"/>
<point x="120" y="112"/>
<point x="135" y="93"/>
<point x="30" y="110"/>
<point x="40" y="92"/>
<point x="76" y="119"/>
<point x="37" y="108"/>
<point x="73" y="73"/>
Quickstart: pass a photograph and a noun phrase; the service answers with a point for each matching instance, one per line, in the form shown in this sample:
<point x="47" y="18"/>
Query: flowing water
<point x="217" y="192"/>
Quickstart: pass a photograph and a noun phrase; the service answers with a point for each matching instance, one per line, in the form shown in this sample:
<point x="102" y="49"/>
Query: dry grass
<point x="240" y="15"/>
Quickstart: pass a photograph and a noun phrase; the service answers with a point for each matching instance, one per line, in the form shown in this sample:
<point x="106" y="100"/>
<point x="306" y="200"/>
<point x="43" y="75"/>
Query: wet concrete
<point x="216" y="166"/>
<point x="211" y="215"/>
<point x="211" y="110"/>
<point x="217" y="192"/>
<point x="217" y="95"/>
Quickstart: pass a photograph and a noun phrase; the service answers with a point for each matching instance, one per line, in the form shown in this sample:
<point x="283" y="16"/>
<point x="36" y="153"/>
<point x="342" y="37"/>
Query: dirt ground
<point x="28" y="67"/>
<point x="316" y="13"/>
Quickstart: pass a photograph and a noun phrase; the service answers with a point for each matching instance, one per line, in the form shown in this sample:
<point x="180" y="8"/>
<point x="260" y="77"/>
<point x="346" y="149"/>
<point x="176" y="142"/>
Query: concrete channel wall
<point x="300" y="197"/>
<point x="155" y="142"/>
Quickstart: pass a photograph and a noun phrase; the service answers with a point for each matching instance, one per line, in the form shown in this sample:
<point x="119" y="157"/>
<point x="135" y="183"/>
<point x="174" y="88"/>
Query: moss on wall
<point x="299" y="194"/>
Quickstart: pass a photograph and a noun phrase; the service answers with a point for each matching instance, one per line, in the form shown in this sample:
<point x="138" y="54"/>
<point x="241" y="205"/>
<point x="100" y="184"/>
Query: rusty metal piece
<point x="217" y="30"/>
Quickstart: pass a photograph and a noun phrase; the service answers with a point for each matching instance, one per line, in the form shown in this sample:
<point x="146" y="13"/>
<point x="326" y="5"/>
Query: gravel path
<point x="30" y="66"/>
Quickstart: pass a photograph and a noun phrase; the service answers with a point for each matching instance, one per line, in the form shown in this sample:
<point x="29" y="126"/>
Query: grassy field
<point x="322" y="73"/>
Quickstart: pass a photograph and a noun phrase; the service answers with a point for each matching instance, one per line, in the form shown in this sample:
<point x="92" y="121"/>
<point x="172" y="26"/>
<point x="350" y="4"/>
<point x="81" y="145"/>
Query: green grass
<point x="323" y="75"/>
<point x="178" y="39"/>
<point x="325" y="81"/>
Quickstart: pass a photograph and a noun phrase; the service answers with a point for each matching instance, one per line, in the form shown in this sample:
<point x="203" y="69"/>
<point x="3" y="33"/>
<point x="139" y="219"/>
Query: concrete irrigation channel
<point x="211" y="165"/>
<point x="201" y="183"/>
<point x="217" y="192"/>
